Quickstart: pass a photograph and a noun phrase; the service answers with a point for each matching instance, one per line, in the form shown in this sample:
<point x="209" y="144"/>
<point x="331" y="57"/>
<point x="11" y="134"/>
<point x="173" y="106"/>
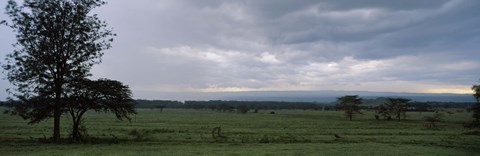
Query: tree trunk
<point x="57" y="112"/>
<point x="75" y="133"/>
<point x="56" y="124"/>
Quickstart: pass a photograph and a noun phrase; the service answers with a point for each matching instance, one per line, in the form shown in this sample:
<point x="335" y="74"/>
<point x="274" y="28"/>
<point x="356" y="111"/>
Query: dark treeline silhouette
<point x="433" y="105"/>
<point x="428" y="106"/>
<point x="141" y="103"/>
<point x="226" y="105"/>
<point x="230" y="105"/>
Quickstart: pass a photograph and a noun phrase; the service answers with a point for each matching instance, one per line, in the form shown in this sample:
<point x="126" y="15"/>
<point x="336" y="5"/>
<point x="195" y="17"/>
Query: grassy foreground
<point x="287" y="132"/>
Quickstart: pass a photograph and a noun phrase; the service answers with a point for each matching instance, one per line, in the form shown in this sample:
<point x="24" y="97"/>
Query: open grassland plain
<point x="287" y="132"/>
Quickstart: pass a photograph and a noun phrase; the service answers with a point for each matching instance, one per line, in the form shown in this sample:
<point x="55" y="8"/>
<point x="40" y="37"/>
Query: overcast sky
<point x="253" y="45"/>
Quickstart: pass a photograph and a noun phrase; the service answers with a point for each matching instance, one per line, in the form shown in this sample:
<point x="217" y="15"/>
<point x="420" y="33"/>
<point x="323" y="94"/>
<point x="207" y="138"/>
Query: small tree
<point x="101" y="95"/>
<point x="243" y="109"/>
<point x="476" y="107"/>
<point x="385" y="112"/>
<point x="350" y="104"/>
<point x="397" y="106"/>
<point x="437" y="117"/>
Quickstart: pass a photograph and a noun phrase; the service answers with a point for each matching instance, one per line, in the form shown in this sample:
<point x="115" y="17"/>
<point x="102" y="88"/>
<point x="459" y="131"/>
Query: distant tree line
<point x="433" y="105"/>
<point x="428" y="106"/>
<point x="221" y="105"/>
<point x="158" y="104"/>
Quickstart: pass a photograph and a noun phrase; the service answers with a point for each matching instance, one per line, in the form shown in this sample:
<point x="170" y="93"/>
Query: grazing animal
<point x="216" y="133"/>
<point x="272" y="112"/>
<point x="429" y="124"/>
<point x="161" y="108"/>
<point x="337" y="136"/>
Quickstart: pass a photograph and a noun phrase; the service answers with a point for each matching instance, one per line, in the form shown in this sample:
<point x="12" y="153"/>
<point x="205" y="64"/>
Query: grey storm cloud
<point x="213" y="45"/>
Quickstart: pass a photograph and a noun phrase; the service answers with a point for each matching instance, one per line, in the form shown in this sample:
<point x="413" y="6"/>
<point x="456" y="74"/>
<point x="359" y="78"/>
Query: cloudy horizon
<point x="429" y="46"/>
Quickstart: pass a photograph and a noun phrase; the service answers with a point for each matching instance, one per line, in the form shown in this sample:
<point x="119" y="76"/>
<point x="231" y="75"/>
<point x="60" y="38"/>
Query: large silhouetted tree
<point x="58" y="41"/>
<point x="350" y="104"/>
<point x="101" y="95"/>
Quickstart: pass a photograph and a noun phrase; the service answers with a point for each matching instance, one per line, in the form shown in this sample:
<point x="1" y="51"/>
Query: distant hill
<point x="308" y="96"/>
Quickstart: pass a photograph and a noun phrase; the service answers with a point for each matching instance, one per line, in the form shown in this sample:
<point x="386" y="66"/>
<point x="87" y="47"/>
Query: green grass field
<point x="288" y="132"/>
